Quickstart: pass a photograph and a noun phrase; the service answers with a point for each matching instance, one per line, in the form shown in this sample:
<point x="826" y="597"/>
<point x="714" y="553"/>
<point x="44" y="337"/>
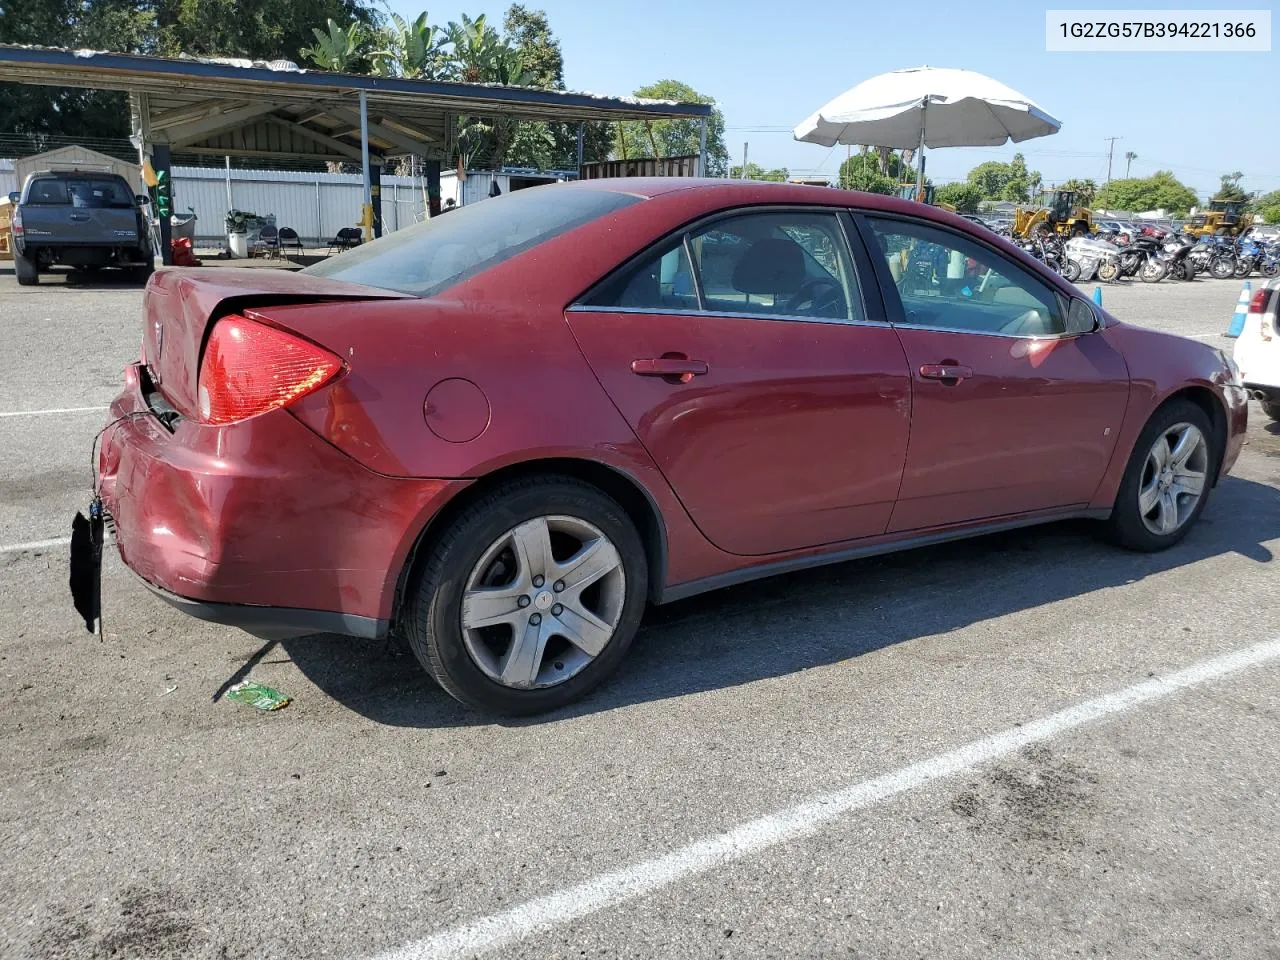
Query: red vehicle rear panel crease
<point x="801" y="440"/>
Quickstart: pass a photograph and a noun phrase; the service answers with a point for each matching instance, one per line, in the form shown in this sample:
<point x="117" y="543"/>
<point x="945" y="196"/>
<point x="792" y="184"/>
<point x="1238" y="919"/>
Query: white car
<point x="1257" y="352"/>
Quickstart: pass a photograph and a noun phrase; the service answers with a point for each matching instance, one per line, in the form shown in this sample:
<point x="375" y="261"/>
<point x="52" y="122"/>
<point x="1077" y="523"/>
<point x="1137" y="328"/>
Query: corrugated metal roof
<point x="219" y="107"/>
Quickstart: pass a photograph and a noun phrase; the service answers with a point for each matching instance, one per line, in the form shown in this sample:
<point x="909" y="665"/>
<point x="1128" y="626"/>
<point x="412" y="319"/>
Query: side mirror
<point x="1083" y="318"/>
<point x="142" y="198"/>
<point x="14" y="196"/>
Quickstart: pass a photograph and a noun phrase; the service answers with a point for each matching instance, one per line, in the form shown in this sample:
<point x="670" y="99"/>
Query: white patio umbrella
<point x="928" y="107"/>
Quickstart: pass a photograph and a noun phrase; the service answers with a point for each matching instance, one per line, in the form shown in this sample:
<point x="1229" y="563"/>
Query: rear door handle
<point x="949" y="373"/>
<point x="79" y="216"/>
<point x="676" y="369"/>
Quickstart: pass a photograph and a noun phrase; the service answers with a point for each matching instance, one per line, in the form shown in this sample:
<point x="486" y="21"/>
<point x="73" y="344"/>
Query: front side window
<point x="777" y="264"/>
<point x="948" y="281"/>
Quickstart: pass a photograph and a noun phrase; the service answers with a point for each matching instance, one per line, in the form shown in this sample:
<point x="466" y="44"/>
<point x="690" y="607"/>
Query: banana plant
<point x="413" y="50"/>
<point x="338" y="50"/>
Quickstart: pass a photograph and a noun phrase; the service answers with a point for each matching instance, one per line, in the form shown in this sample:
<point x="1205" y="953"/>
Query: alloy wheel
<point x="542" y="602"/>
<point x="1173" y="478"/>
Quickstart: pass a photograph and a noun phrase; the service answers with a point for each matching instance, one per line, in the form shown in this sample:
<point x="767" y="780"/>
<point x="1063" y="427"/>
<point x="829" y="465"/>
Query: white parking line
<point x="507" y="927"/>
<point x="34" y="545"/>
<point x="45" y="413"/>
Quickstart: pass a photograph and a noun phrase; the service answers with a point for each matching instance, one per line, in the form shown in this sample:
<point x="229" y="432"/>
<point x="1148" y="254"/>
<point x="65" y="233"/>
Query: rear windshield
<point x="90" y="193"/>
<point x="426" y="258"/>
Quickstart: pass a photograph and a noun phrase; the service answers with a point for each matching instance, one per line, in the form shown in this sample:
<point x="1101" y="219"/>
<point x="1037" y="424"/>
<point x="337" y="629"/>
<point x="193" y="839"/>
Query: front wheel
<point x="1153" y="271"/>
<point x="1243" y="269"/>
<point x="1167" y="481"/>
<point x="1109" y="271"/>
<point x="530" y="598"/>
<point x="1071" y="271"/>
<point x="1271" y="269"/>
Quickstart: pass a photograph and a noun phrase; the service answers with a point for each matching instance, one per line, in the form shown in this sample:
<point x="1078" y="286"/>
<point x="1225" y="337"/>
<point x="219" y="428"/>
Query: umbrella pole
<point x="924" y="116"/>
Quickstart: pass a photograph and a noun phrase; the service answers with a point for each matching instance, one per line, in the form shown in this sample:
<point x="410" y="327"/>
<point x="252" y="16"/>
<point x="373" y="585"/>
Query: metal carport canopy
<point x="217" y="107"/>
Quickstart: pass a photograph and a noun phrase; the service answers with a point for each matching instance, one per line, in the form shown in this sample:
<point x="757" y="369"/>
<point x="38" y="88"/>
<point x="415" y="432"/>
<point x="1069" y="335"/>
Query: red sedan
<point x="506" y="431"/>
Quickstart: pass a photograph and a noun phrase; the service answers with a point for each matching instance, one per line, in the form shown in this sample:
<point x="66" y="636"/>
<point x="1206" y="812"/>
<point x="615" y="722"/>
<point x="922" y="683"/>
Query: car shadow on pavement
<point x="818" y="617"/>
<point x="102" y="280"/>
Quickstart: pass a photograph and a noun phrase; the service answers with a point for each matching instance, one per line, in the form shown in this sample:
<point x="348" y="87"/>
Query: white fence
<point x="316" y="205"/>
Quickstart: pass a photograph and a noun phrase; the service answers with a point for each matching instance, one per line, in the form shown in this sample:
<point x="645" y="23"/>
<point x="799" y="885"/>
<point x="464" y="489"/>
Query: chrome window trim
<point x="700" y="314"/>
<point x="988" y="333"/>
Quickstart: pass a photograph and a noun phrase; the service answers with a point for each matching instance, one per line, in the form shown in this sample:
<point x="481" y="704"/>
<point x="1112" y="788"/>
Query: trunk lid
<point x="180" y="306"/>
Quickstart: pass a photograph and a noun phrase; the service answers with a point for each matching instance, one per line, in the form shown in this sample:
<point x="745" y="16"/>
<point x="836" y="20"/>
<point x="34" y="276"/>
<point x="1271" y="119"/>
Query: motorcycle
<point x="1270" y="265"/>
<point x="1175" y="253"/>
<point x="1084" y="257"/>
<point x="1142" y="259"/>
<point x="1214" y="257"/>
<point x="1249" y="255"/>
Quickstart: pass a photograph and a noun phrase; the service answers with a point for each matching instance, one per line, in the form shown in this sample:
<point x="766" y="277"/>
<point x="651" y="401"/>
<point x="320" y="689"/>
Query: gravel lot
<point x="142" y="816"/>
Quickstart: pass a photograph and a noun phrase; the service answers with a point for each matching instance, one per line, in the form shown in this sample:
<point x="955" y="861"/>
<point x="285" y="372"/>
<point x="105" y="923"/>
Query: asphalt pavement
<point x="1031" y="744"/>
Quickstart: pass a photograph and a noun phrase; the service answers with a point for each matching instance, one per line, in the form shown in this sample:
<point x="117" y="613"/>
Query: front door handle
<point x="949" y="373"/>
<point x="671" y="369"/>
<point x="79" y="216"/>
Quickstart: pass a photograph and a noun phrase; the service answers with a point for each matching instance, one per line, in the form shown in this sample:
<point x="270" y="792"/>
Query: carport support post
<point x="432" y="169"/>
<point x="160" y="161"/>
<point x="375" y="196"/>
<point x="366" y="213"/>
<point x="702" y="149"/>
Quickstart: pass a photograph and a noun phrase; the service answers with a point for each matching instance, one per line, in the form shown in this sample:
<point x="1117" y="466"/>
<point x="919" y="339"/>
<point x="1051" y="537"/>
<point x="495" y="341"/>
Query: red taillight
<point x="1259" y="302"/>
<point x="15" y="222"/>
<point x="250" y="368"/>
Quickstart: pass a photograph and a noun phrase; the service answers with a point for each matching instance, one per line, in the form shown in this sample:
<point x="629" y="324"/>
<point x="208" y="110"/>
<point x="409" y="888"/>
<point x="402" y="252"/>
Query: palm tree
<point x="1129" y="157"/>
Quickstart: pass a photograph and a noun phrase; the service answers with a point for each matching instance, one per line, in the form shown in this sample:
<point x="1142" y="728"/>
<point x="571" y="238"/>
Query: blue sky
<point x="771" y="64"/>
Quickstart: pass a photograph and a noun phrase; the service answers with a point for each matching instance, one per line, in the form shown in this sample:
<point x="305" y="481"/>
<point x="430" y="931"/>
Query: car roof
<point x="745" y="192"/>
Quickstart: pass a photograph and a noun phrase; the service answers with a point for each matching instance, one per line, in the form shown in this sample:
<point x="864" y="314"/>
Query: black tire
<point x="433" y="605"/>
<point x="1109" y="271"/>
<point x="1153" y="271"/>
<point x="1188" y="270"/>
<point x="1125" y="526"/>
<point x="27" y="272"/>
<point x="1271" y="408"/>
<point x="1222" y="268"/>
<point x="1071" y="271"/>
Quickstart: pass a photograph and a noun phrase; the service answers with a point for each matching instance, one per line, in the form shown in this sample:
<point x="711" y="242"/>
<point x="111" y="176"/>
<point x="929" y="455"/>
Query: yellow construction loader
<point x="1223" y="218"/>
<point x="1061" y="215"/>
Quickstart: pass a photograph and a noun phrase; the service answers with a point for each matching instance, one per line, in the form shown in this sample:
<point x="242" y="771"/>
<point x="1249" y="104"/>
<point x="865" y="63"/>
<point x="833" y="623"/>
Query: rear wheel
<point x="1071" y="271"/>
<point x="1271" y="408"/>
<point x="1243" y="269"/>
<point x="1109" y="271"/>
<point x="1271" y="269"/>
<point x="1222" y="268"/>
<point x="27" y="272"/>
<point x="1153" y="271"/>
<point x="1167" y="481"/>
<point x="530" y="598"/>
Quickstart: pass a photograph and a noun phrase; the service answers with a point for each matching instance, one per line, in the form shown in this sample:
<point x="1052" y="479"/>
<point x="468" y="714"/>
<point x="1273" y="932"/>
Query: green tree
<point x="965" y="197"/>
<point x="547" y="145"/>
<point x="1231" y="191"/>
<point x="677" y="137"/>
<point x="757" y="172"/>
<point x="257" y="29"/>
<point x="1161" y="190"/>
<point x="991" y="178"/>
<point x="1085" y="190"/>
<point x="865" y="171"/>
<point x="1271" y="213"/>
<point x="38" y="113"/>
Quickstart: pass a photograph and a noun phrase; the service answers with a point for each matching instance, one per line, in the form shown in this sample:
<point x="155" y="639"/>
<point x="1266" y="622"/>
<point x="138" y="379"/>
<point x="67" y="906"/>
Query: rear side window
<point x="47" y="192"/>
<point x="424" y="259"/>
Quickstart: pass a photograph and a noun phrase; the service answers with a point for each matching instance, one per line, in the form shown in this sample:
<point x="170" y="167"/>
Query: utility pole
<point x="1110" y="152"/>
<point x="743" y="175"/>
